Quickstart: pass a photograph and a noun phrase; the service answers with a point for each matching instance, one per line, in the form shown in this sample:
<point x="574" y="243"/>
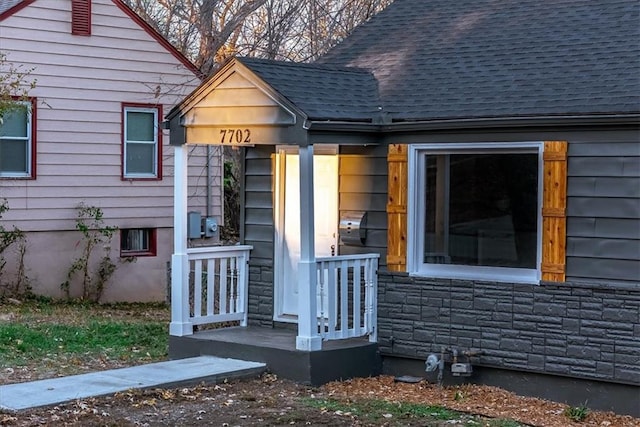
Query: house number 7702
<point x="235" y="136"/>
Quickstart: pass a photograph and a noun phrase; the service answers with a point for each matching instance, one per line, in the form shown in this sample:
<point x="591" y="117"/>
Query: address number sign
<point x="235" y="136"/>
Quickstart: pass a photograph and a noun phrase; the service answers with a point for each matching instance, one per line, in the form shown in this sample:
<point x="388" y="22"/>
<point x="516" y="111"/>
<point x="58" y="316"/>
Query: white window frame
<point x="416" y="203"/>
<point x="126" y="142"/>
<point x="28" y="141"/>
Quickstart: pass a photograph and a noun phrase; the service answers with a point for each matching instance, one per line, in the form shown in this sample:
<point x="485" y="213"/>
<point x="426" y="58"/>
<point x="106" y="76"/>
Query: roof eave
<point x="623" y="119"/>
<point x="516" y="122"/>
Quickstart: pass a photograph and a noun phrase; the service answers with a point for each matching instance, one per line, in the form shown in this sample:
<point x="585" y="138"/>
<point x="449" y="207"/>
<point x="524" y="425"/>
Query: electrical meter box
<point x="211" y="229"/>
<point x="194" y="227"/>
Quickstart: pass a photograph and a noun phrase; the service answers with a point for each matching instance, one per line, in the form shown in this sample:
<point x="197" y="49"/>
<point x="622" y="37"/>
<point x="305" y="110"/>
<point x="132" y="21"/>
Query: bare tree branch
<point x="209" y="31"/>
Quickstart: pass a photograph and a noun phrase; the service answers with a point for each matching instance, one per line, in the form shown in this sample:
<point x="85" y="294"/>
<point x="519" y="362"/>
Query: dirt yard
<point x="272" y="401"/>
<point x="264" y="401"/>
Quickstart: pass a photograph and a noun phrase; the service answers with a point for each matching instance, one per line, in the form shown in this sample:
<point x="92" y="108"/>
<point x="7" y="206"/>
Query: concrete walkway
<point x="172" y="373"/>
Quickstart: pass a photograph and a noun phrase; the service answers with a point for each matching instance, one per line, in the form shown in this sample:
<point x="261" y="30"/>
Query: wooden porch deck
<point x="338" y="359"/>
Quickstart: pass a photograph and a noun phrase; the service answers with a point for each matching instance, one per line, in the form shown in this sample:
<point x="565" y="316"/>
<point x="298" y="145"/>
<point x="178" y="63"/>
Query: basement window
<point x="137" y="242"/>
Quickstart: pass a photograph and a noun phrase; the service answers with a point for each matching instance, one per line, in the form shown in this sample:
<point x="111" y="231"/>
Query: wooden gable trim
<point x="554" y="206"/>
<point x="398" y="180"/>
<point x="81" y="17"/>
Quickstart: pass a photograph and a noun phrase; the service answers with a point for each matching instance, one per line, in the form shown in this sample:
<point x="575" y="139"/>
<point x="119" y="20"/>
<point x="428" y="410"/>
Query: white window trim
<point x="29" y="142"/>
<point x="415" y="224"/>
<point x="155" y="142"/>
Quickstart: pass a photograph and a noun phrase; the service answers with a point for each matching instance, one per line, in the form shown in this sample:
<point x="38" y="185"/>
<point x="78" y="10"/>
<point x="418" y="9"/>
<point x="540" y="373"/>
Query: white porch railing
<point x="218" y="283"/>
<point x="347" y="288"/>
<point x="348" y="296"/>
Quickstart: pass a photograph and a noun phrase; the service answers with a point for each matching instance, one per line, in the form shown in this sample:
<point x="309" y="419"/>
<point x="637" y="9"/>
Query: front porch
<point x="210" y="316"/>
<point x="320" y="322"/>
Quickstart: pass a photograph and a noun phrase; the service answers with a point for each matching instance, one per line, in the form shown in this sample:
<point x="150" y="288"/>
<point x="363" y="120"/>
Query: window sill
<point x="141" y="178"/>
<point x="136" y="254"/>
<point x="484" y="274"/>
<point x="16" y="177"/>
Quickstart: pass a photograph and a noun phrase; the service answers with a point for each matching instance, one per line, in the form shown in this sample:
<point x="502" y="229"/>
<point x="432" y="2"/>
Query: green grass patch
<point x="38" y="307"/>
<point x="377" y="409"/>
<point x="114" y="340"/>
<point x="44" y="335"/>
<point x="399" y="413"/>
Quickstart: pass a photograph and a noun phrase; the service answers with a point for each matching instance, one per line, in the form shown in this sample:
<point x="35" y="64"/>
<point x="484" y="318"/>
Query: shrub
<point x="91" y="224"/>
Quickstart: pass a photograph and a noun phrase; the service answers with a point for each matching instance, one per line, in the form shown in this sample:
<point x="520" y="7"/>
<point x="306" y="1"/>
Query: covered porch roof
<point x="252" y="101"/>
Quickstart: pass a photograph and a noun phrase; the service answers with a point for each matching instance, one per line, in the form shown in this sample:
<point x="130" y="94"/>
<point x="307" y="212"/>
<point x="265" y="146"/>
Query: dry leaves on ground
<point x="483" y="400"/>
<point x="272" y="401"/>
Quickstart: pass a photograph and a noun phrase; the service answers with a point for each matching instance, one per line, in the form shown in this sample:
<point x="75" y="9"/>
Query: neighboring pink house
<point x="93" y="134"/>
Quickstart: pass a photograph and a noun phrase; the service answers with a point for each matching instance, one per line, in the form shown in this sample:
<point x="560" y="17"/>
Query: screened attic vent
<point x="81" y="17"/>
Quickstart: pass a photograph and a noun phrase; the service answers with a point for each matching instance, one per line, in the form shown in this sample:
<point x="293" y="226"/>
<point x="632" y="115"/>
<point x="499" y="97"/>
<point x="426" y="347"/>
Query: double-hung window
<point x="17" y="141"/>
<point x="475" y="211"/>
<point x="141" y="143"/>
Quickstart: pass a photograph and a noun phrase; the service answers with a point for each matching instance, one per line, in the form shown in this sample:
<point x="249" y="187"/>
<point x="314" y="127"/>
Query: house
<point x="455" y="181"/>
<point x="91" y="134"/>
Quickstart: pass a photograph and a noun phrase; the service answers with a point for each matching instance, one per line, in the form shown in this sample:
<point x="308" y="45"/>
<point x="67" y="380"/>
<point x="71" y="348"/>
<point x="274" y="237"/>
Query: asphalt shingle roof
<point x="443" y="59"/>
<point x="323" y="92"/>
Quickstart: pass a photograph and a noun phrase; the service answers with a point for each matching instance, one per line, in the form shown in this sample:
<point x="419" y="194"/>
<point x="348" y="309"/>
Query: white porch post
<point x="308" y="338"/>
<point x="180" y="324"/>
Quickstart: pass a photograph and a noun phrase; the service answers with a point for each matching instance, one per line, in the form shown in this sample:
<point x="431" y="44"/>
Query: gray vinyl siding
<point x="363" y="187"/>
<point x="258" y="203"/>
<point x="258" y="231"/>
<point x="603" y="211"/>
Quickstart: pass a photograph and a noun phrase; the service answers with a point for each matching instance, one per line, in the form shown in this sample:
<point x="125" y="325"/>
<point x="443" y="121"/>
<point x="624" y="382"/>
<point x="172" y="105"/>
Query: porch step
<point x="338" y="359"/>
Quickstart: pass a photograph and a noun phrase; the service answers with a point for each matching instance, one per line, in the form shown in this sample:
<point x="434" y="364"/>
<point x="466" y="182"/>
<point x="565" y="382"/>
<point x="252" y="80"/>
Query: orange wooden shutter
<point x="81" y="17"/>
<point x="397" y="208"/>
<point x="554" y="204"/>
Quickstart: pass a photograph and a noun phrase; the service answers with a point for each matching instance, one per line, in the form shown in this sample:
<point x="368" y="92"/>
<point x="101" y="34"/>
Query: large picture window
<point x="476" y="211"/>
<point x="141" y="143"/>
<point x="17" y="141"/>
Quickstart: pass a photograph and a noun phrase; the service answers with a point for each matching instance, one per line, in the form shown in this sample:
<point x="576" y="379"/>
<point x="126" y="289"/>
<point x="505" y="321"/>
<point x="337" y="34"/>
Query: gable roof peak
<point x="10" y="7"/>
